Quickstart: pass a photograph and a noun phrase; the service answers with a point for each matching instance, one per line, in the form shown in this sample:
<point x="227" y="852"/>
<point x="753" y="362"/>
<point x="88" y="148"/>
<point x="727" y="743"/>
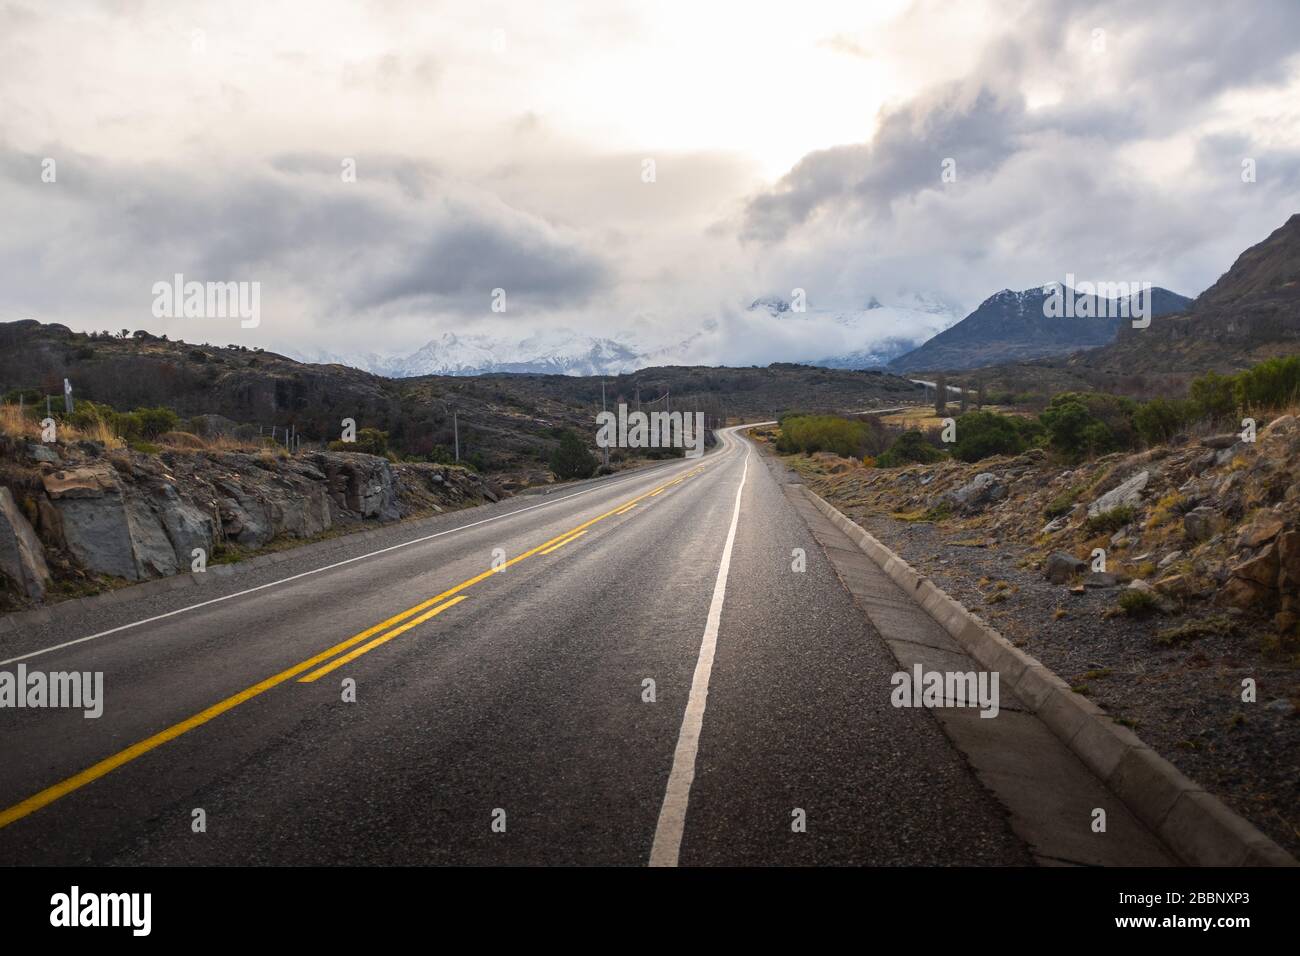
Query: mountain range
<point x="1016" y="326"/>
<point x="869" y="337"/>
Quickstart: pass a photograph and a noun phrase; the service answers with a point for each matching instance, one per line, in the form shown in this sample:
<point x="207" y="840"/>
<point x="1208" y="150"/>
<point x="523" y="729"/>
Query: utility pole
<point x="455" y="426"/>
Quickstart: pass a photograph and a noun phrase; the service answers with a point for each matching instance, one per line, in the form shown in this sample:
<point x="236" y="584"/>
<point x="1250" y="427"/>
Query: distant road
<point x="524" y="690"/>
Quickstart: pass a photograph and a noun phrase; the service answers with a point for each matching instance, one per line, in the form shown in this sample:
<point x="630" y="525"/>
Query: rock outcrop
<point x="22" y="560"/>
<point x="137" y="516"/>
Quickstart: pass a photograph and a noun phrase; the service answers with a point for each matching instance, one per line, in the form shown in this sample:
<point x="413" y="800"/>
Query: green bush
<point x="1214" y="396"/>
<point x="813" y="433"/>
<point x="1161" y="419"/>
<point x="1137" y="603"/>
<point x="572" y="458"/>
<point x="1269" y="385"/>
<point x="370" y="441"/>
<point x="151" y="422"/>
<point x="910" y="448"/>
<point x="1108" y="522"/>
<point x="1085" y="424"/>
<point x="1062" y="504"/>
<point x="983" y="434"/>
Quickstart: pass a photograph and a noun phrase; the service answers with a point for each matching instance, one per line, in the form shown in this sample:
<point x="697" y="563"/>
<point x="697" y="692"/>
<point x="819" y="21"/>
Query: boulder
<point x="976" y="494"/>
<point x="1262" y="569"/>
<point x="1288" y="554"/>
<point x="1055" y="525"/>
<point x="1243" y="593"/>
<point x="1202" y="523"/>
<point x="1263" y="529"/>
<point x="22" y="560"/>
<point x="1128" y="493"/>
<point x="1226" y="440"/>
<point x="1171" y="558"/>
<point x="1060" y="566"/>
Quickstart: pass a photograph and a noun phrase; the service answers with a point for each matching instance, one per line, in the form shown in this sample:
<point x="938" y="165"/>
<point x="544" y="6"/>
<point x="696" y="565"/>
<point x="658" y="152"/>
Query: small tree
<point x="572" y="458"/>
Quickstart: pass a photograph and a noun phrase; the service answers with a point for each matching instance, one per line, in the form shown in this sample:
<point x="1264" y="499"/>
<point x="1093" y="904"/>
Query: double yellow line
<point x="375" y="636"/>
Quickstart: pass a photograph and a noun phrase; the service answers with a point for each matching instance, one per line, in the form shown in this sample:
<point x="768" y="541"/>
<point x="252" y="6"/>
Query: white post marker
<point x="672" y="815"/>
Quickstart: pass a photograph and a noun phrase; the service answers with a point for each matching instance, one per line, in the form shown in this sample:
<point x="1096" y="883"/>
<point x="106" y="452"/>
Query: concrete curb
<point x="1193" y="823"/>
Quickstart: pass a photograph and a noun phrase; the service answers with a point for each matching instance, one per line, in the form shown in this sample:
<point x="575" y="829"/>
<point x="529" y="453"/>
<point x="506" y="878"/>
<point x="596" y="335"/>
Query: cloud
<point x="1101" y="138"/>
<point x="1091" y="138"/>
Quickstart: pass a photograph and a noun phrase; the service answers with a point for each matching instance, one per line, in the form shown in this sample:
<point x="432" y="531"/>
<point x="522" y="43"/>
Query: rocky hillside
<point x="76" y="518"/>
<point x="1014" y="326"/>
<point x="1250" y="314"/>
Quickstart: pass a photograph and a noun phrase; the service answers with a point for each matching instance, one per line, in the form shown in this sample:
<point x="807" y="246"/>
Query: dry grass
<point x="15" y="424"/>
<point x="923" y="416"/>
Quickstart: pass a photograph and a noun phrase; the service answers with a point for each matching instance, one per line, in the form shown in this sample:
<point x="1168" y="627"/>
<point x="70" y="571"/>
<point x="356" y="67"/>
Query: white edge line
<point x="672" y="814"/>
<point x="295" y="577"/>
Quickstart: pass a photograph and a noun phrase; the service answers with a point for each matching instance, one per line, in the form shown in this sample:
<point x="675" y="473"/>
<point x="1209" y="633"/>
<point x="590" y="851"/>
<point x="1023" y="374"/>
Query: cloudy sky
<point x="505" y="145"/>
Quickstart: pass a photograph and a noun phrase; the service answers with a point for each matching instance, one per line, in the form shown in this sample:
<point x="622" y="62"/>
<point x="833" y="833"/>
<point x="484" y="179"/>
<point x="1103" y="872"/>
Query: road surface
<point x="504" y="715"/>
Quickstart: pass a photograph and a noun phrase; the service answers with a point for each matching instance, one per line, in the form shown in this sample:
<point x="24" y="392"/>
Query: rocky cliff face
<point x="75" y="513"/>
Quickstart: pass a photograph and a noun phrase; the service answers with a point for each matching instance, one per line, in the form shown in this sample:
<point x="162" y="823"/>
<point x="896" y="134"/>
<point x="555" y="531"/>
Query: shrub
<point x="1062" y="504"/>
<point x="1272" y="384"/>
<point x="370" y="441"/>
<point x="1137" y="603"/>
<point x="149" y="423"/>
<point x="910" y="448"/>
<point x="1085" y="424"/>
<point x="1214" y="396"/>
<point x="1108" y="522"/>
<point x="982" y="434"/>
<point x="572" y="458"/>
<point x="1161" y="419"/>
<point x="813" y="433"/>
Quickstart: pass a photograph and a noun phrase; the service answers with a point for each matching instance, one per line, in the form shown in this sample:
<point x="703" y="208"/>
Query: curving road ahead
<point x="516" y="696"/>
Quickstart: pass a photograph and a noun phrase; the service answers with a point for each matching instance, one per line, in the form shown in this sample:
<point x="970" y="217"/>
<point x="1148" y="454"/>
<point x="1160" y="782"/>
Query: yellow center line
<point x="623" y="511"/>
<point x="382" y="639"/>
<point x="106" y="766"/>
<point x="564" y="542"/>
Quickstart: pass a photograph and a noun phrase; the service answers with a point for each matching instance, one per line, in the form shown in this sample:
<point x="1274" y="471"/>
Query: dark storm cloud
<point x="400" y="232"/>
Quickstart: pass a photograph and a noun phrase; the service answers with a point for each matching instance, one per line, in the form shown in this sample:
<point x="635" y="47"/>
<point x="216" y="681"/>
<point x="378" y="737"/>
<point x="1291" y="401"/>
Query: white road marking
<point x="328" y="567"/>
<point x="672" y="815"/>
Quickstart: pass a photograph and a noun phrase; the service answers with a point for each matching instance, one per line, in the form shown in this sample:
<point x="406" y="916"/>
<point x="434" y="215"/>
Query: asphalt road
<point x="512" y="726"/>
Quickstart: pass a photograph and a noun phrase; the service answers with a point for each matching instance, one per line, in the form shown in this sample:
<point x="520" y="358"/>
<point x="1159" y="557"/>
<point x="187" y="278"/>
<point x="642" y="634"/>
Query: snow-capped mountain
<point x="769" y="330"/>
<point x="870" y="337"/>
<point x="554" y="352"/>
